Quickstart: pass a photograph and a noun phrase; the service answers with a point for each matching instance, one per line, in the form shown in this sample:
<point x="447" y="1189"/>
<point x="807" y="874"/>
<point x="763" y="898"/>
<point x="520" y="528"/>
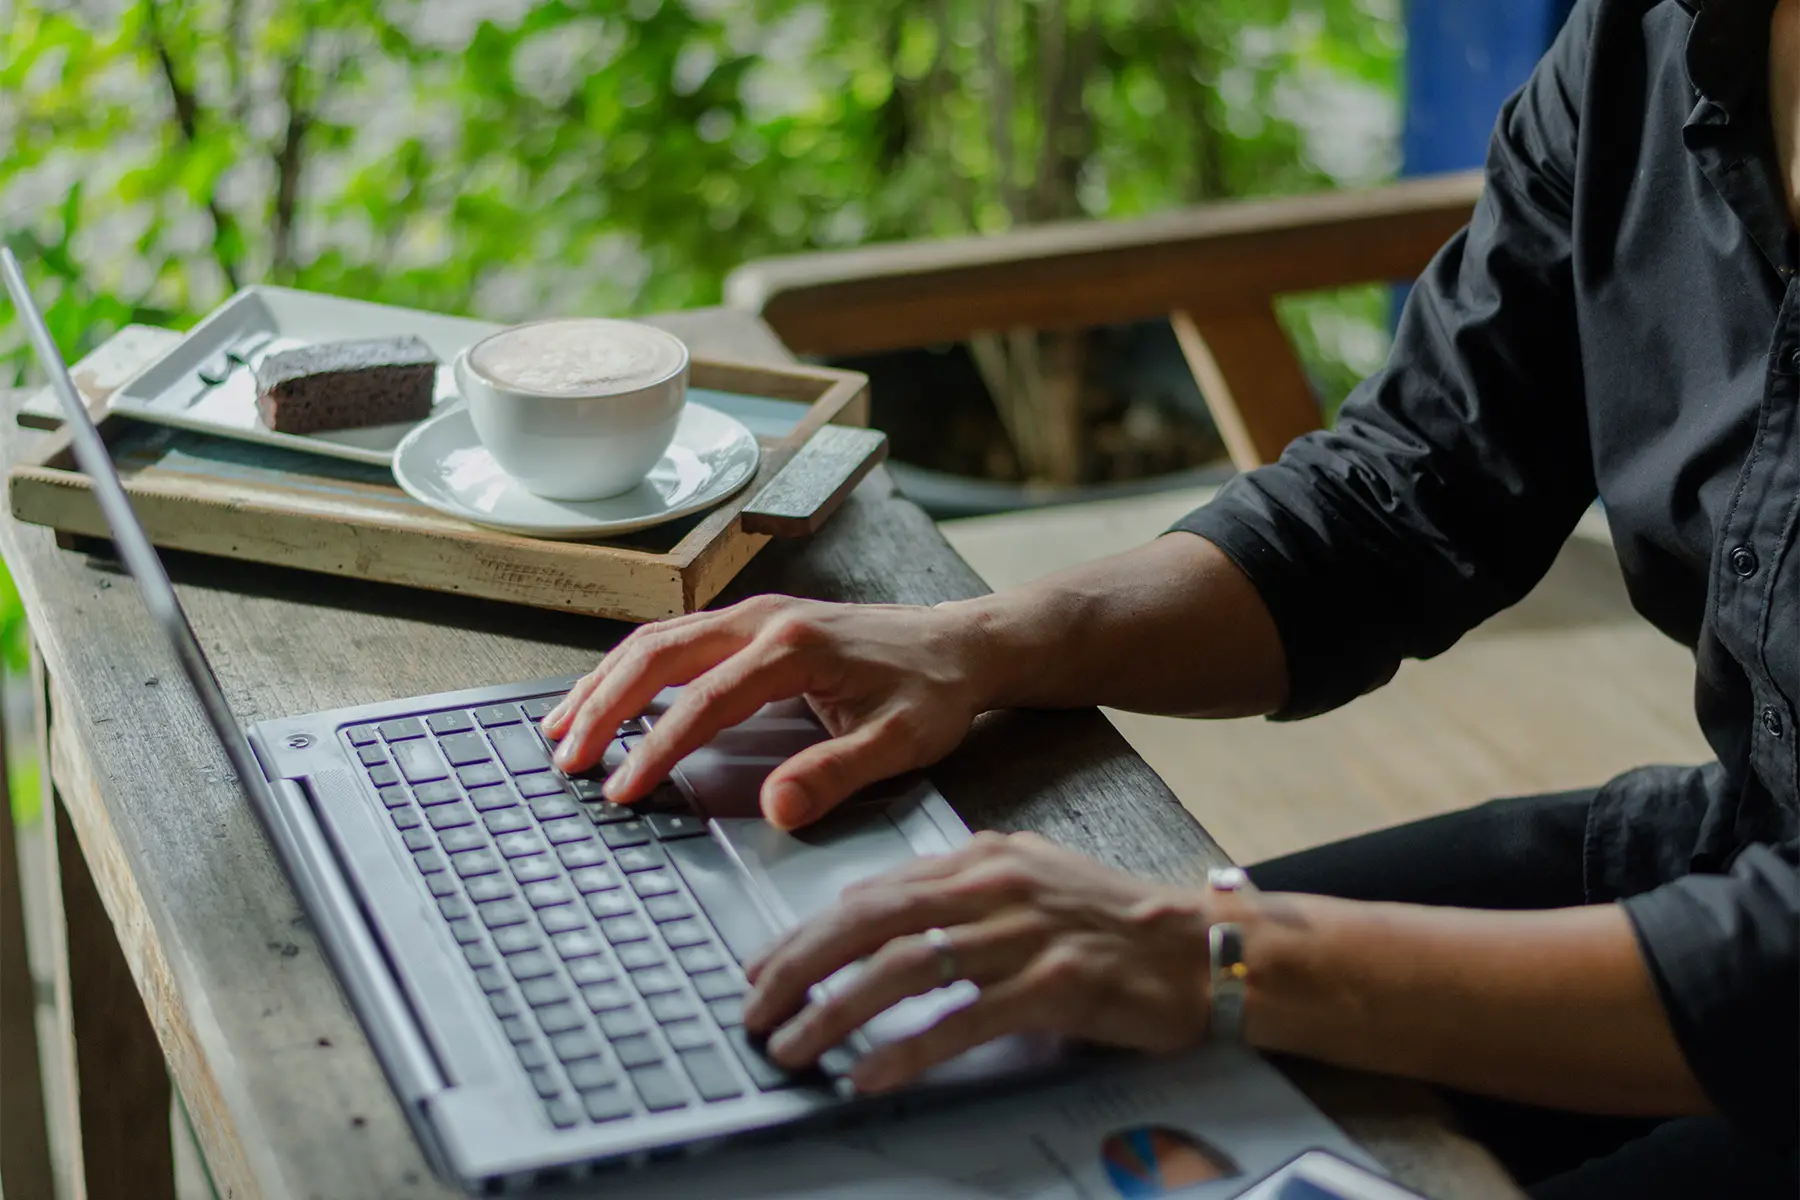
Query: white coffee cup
<point x="575" y="409"/>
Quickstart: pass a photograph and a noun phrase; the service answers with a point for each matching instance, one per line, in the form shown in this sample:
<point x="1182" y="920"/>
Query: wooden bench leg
<point x="108" y="1046"/>
<point x="25" y="1161"/>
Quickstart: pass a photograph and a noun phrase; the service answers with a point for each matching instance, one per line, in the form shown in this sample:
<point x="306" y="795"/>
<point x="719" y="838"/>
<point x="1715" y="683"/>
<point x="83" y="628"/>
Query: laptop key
<point x="491" y="979"/>
<point x="465" y="837"/>
<point x="624" y="929"/>
<point x="658" y="1088"/>
<point x="518" y="845"/>
<point x="532" y="964"/>
<point x="638" y="1051"/>
<point x="479" y="955"/>
<point x="667" y="908"/>
<point x="449" y="722"/>
<point x="562" y="1112"/>
<point x="537" y="710"/>
<point x="655" y="981"/>
<point x="568" y="829"/>
<point x="711" y="1074"/>
<point x="561" y="918"/>
<point x="490" y="797"/>
<point x="589" y="879"/>
<point x="518" y="1029"/>
<point x="576" y="943"/>
<point x="728" y="1010"/>
<point x="497" y="714"/>
<point x="640" y="858"/>
<point x="504" y="1005"/>
<point x="544" y="1080"/>
<point x="548" y="990"/>
<point x="441" y="884"/>
<point x="361" y="735"/>
<point x="453" y="907"/>
<point x="476" y="862"/>
<point x="699" y="960"/>
<point x="505" y="820"/>
<point x="428" y="861"/>
<point x="623" y="834"/>
<point x="622" y="1023"/>
<point x="590" y="969"/>
<point x="489" y="887"/>
<point x="653" y="883"/>
<point x="465" y="930"/>
<point x="464" y="749"/>
<point x="592" y="791"/>
<point x="371" y="756"/>
<point x="609" y="904"/>
<point x="511" y="939"/>
<point x="393" y="796"/>
<point x="521" y="753"/>
<point x="547" y="787"/>
<point x="603" y="997"/>
<point x="449" y="816"/>
<point x="634" y="956"/>
<point x="417" y="839"/>
<point x="672" y="1006"/>
<point x="667" y="827"/>
<point x="401" y="729"/>
<point x="687" y="1035"/>
<point x="716" y="985"/>
<point x="406" y="817"/>
<point x="420" y="762"/>
<point x="534" y="867"/>
<point x="607" y="1103"/>
<point x="532" y="1054"/>
<point x="546" y="892"/>
<point x="384" y="775"/>
<point x="763" y="1073"/>
<point x="441" y="791"/>
<point x="480" y="775"/>
<point x="574" y="1045"/>
<point x="591" y="1073"/>
<point x="500" y="913"/>
<point x="690" y="932"/>
<point x="559" y="1018"/>
<point x="580" y="854"/>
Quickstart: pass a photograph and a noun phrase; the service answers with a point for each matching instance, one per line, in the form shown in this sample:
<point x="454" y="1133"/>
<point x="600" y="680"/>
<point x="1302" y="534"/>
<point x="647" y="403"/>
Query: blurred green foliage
<point x="512" y="157"/>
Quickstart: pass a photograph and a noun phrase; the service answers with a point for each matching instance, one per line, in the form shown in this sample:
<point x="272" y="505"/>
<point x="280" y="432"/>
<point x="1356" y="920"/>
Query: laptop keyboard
<point x="611" y="984"/>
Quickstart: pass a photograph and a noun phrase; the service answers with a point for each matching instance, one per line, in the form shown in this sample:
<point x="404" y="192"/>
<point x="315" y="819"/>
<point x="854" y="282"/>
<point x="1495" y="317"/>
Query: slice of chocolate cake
<point x="346" y="385"/>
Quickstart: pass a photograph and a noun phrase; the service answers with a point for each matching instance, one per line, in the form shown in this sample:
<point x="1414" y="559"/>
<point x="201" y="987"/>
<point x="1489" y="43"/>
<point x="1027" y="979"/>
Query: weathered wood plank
<point x="1252" y="383"/>
<point x="1213" y="260"/>
<point x="813" y="483"/>
<point x="25" y="1155"/>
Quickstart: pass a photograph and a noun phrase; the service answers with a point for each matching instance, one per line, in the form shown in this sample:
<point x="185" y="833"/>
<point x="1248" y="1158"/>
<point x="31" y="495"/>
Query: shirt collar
<point x="1728" y="53"/>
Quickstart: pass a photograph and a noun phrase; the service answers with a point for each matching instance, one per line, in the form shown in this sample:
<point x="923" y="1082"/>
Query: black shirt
<point x="1619" y="321"/>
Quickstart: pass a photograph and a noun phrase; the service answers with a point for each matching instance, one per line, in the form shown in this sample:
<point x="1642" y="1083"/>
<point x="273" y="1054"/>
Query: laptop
<point x="553" y="985"/>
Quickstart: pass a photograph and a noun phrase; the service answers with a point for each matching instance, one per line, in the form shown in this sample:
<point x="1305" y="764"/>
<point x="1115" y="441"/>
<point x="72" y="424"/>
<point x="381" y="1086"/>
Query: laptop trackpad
<point x="800" y="874"/>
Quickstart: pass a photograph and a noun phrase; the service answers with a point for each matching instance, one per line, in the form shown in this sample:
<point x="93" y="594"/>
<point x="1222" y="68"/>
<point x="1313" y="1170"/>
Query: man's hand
<point x="1057" y="943"/>
<point x="895" y="687"/>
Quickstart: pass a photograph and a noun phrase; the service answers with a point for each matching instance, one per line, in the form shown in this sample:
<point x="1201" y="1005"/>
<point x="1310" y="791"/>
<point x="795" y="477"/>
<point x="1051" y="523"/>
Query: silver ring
<point x="948" y="972"/>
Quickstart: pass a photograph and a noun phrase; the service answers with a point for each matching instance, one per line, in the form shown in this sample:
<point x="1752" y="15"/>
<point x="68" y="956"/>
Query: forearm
<point x="1553" y="1007"/>
<point x="1170" y="627"/>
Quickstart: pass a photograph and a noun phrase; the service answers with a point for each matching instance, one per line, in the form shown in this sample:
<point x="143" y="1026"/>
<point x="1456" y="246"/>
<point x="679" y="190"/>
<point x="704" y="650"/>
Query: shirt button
<point x="1772" y="721"/>
<point x="1743" y="561"/>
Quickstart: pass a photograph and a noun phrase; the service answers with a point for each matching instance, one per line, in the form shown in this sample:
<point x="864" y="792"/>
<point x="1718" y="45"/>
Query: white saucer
<point x="442" y="464"/>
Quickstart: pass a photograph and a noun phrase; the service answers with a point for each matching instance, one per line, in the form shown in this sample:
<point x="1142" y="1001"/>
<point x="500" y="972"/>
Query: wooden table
<point x="188" y="959"/>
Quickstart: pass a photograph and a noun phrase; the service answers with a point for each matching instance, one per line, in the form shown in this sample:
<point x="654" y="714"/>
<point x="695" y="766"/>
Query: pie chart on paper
<point x="1155" y="1160"/>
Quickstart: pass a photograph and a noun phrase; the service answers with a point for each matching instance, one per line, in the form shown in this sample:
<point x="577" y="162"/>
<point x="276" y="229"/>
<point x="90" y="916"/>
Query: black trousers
<point x="1519" y="854"/>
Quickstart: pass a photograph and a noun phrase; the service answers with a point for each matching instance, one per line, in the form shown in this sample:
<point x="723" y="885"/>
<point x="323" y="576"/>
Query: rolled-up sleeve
<point x="1454" y="474"/>
<point x="1724" y="951"/>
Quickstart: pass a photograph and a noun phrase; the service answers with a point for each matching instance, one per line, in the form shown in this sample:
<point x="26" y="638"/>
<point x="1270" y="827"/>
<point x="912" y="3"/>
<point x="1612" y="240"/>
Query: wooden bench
<point x="1214" y="270"/>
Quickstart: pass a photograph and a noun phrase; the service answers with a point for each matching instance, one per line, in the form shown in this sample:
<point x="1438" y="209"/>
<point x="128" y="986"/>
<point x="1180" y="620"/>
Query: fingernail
<point x="555" y="714"/>
<point x="782" y="1041"/>
<point x="565" y="753"/>
<point x="615" y="784"/>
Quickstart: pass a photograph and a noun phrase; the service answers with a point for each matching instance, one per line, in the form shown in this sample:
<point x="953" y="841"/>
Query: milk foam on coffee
<point x="578" y="358"/>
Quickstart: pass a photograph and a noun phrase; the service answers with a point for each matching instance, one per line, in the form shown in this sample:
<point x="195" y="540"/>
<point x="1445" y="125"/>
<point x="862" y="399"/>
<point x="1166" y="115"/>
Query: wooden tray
<point x="271" y="505"/>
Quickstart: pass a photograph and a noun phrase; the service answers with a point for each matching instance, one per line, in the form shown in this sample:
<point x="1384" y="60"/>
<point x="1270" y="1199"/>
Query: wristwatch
<point x="1225" y="944"/>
